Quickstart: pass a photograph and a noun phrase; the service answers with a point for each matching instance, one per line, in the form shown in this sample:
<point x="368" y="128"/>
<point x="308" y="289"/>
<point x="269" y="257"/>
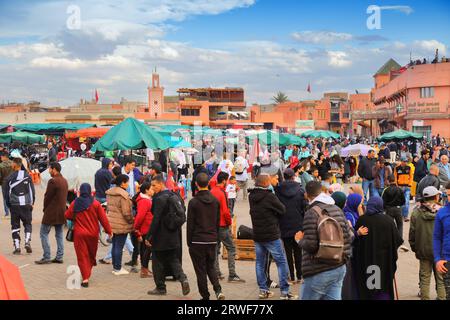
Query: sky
<point x="58" y="52"/>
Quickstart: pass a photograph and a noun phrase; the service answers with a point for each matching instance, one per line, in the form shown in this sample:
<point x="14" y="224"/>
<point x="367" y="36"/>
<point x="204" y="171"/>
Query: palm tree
<point x="280" y="97"/>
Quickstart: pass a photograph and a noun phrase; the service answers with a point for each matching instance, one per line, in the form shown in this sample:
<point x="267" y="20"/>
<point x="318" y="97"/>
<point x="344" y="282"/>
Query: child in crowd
<point x="232" y="190"/>
<point x="315" y="174"/>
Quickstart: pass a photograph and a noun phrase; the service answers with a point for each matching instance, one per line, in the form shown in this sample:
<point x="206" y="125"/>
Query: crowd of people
<point x="328" y="222"/>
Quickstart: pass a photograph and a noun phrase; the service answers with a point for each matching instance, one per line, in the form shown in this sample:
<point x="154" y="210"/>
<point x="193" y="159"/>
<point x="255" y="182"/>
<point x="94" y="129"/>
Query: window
<point x="321" y="114"/>
<point x="190" y="112"/>
<point x="345" y="115"/>
<point x="335" y="117"/>
<point x="427" y="92"/>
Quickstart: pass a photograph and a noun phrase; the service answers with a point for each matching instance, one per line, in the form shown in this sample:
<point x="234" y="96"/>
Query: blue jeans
<point x="45" y="230"/>
<point x="275" y="248"/>
<point x="368" y="186"/>
<point x="128" y="245"/>
<point x="118" y="242"/>
<point x="326" y="285"/>
<point x="405" y="208"/>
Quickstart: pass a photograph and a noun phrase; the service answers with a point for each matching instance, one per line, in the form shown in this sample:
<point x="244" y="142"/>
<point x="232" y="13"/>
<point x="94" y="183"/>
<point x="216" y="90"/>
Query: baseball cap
<point x="430" y="192"/>
<point x="156" y="166"/>
<point x="288" y="173"/>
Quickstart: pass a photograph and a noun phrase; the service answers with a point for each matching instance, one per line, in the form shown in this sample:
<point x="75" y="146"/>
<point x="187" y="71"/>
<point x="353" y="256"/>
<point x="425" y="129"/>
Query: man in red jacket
<point x="224" y="231"/>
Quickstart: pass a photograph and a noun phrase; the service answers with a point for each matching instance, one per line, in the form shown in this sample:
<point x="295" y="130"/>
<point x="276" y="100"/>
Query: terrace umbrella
<point x="355" y="150"/>
<point x="52" y="128"/>
<point x="24" y="137"/>
<point x="88" y="133"/>
<point x="128" y="135"/>
<point x="400" y="135"/>
<point x="271" y="137"/>
<point x="320" y="134"/>
<point x="295" y="140"/>
<point x="76" y="171"/>
<point x="11" y="284"/>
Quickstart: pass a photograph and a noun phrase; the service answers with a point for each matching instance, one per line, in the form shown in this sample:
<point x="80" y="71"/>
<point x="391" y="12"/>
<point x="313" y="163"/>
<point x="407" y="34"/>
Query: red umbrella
<point x="11" y="284"/>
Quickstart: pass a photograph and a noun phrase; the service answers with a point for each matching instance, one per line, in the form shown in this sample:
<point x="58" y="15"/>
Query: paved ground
<point x="49" y="281"/>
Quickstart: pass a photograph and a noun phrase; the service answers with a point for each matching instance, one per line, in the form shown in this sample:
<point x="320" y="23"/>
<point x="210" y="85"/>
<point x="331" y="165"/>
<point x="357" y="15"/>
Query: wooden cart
<point x="245" y="249"/>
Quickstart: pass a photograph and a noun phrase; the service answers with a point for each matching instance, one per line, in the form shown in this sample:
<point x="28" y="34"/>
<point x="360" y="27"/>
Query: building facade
<point x="416" y="98"/>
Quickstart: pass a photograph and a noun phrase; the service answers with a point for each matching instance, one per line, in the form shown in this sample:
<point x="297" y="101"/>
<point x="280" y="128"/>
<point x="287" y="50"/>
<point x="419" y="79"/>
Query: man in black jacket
<point x="164" y="240"/>
<point x="430" y="180"/>
<point x="20" y="197"/>
<point x="365" y="172"/>
<point x="203" y="222"/>
<point x="321" y="280"/>
<point x="421" y="166"/>
<point x="393" y="200"/>
<point x="292" y="195"/>
<point x="265" y="212"/>
<point x="103" y="179"/>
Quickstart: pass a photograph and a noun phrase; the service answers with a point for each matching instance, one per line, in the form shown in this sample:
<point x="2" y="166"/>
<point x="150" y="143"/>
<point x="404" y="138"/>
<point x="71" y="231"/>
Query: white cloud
<point x="321" y="37"/>
<point x="338" y="59"/>
<point x="427" y="47"/>
<point x="58" y="63"/>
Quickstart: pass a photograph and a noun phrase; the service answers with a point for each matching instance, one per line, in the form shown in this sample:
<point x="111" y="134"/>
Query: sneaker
<point x="43" y="261"/>
<point x="265" y="294"/>
<point x="157" y="292"/>
<point x="120" y="272"/>
<point x="273" y="285"/>
<point x="404" y="248"/>
<point x="28" y="248"/>
<point x="220" y="295"/>
<point x="134" y="270"/>
<point x="60" y="261"/>
<point x="131" y="264"/>
<point x="103" y="261"/>
<point x="16" y="251"/>
<point x="145" y="273"/>
<point x="288" y="296"/>
<point x="236" y="279"/>
<point x="185" y="288"/>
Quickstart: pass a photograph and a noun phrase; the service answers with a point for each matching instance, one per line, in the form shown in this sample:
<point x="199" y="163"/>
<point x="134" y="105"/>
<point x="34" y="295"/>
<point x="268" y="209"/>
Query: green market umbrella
<point x="400" y="135"/>
<point x="52" y="128"/>
<point x="130" y="134"/>
<point x="271" y="137"/>
<point x="24" y="137"/>
<point x="320" y="134"/>
<point x="295" y="140"/>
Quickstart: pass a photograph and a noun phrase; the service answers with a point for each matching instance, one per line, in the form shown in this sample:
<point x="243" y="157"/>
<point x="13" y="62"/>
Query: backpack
<point x="331" y="238"/>
<point x="21" y="187"/>
<point x="176" y="214"/>
<point x="239" y="167"/>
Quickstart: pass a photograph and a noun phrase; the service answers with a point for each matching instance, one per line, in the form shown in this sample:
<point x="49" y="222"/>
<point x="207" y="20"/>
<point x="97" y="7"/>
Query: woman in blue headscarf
<point x="378" y="248"/>
<point x="353" y="208"/>
<point x="85" y="213"/>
